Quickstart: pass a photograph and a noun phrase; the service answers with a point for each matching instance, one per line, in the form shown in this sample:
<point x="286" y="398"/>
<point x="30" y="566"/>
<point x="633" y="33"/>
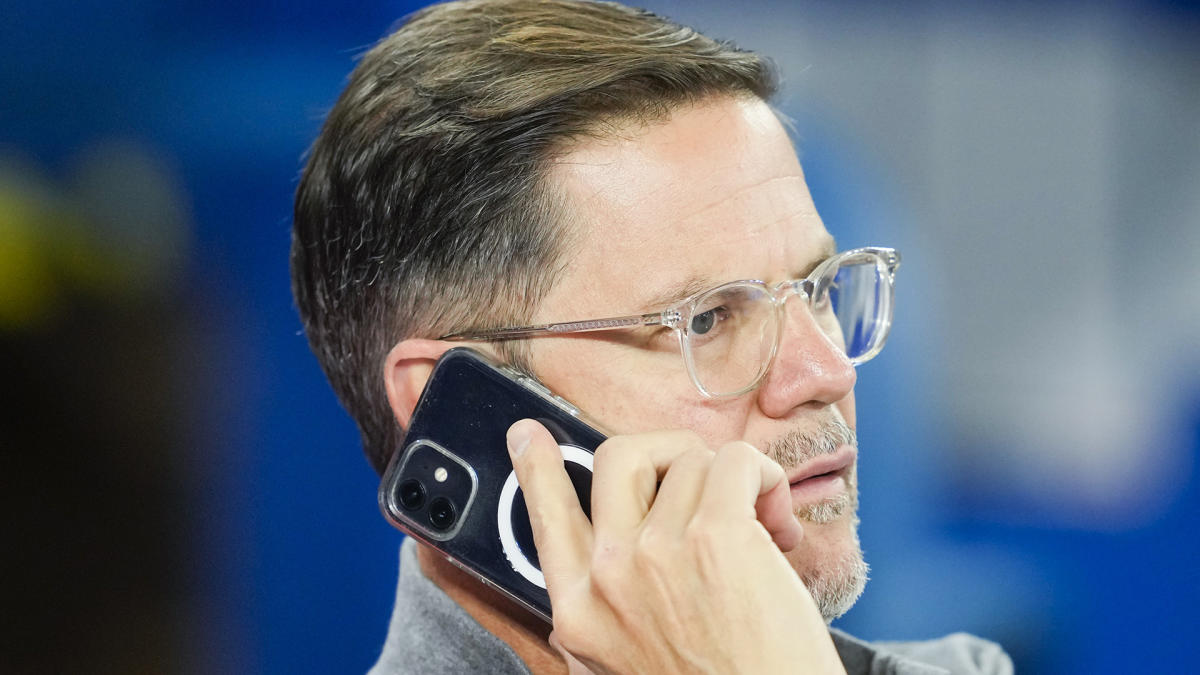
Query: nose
<point x="809" y="369"/>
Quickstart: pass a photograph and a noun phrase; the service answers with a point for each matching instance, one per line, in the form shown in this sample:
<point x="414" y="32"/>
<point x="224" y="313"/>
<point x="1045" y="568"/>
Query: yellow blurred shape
<point x="27" y="286"/>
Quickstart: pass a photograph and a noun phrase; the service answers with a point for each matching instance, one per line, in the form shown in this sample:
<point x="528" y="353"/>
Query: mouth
<point x="822" y="478"/>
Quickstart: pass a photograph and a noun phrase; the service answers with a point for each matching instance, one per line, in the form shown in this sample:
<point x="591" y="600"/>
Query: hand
<point x="681" y="567"/>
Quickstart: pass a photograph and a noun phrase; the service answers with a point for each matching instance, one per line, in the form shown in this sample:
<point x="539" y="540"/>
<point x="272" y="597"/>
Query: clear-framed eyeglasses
<point x="729" y="335"/>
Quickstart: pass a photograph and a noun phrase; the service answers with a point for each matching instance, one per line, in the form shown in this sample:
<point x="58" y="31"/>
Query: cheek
<point x="659" y="409"/>
<point x="848" y="411"/>
<point x="633" y="392"/>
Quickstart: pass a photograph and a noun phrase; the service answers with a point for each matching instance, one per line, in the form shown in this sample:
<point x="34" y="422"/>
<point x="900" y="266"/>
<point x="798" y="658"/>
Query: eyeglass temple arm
<point x="590" y="325"/>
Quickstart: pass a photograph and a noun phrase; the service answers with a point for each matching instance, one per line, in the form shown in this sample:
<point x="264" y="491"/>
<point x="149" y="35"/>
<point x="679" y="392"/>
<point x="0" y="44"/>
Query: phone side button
<point x="534" y="385"/>
<point x="562" y="402"/>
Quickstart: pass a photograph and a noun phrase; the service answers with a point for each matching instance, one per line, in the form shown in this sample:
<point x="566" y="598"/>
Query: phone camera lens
<point x="412" y="494"/>
<point x="441" y="513"/>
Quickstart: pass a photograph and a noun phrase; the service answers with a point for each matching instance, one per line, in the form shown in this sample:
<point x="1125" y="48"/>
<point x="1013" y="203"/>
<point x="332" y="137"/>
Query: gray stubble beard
<point x="835" y="585"/>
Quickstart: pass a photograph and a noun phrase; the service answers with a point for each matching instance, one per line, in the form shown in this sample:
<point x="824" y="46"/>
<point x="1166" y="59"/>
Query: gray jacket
<point x="430" y="633"/>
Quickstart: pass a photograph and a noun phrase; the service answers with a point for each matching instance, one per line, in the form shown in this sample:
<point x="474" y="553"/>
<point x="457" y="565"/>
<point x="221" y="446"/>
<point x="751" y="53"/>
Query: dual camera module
<point x="435" y="488"/>
<point x="442" y="513"/>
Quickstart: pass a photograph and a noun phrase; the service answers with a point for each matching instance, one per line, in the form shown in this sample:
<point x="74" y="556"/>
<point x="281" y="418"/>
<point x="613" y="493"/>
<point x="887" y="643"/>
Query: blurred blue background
<point x="187" y="496"/>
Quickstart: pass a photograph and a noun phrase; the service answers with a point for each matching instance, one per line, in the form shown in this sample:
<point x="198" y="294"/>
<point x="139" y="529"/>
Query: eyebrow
<point x="678" y="291"/>
<point x="697" y="283"/>
<point x="828" y="250"/>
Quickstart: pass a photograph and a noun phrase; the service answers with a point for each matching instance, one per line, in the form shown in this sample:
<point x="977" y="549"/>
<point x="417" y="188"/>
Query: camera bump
<point x="435" y="489"/>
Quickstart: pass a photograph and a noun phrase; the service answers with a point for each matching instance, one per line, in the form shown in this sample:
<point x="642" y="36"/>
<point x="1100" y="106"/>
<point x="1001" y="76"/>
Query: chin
<point x="830" y="563"/>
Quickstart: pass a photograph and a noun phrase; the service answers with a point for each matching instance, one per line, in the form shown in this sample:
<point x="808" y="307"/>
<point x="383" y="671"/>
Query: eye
<point x="704" y="321"/>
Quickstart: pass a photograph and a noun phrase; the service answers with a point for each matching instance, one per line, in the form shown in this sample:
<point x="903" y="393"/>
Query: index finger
<point x="627" y="473"/>
<point x="561" y="531"/>
<point x="745" y="482"/>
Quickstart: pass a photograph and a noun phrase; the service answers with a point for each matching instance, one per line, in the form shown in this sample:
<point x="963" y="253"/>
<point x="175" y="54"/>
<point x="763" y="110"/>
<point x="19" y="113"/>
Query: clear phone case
<point x="451" y="484"/>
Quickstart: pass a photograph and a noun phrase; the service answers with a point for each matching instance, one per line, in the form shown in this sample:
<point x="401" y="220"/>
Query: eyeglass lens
<point x="857" y="298"/>
<point x="730" y="337"/>
<point x="733" y="329"/>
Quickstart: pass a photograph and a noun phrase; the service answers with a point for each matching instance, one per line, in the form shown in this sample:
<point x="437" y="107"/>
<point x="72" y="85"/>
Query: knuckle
<point x="705" y="532"/>
<point x="657" y="552"/>
<point x="605" y="577"/>
<point x="694" y="462"/>
<point x="741" y="450"/>
<point x="571" y="630"/>
<point x="697" y="533"/>
<point x="611" y="447"/>
<point x="699" y="456"/>
<point x="612" y="458"/>
<point x="532" y="473"/>
<point x="653" y="544"/>
<point x="546" y="520"/>
<point x="611" y="583"/>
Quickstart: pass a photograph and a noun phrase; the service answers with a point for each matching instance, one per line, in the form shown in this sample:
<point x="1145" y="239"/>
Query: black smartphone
<point x="451" y="484"/>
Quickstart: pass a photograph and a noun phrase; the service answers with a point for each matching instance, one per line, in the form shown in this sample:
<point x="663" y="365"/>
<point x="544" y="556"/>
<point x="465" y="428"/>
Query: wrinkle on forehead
<point x="781" y="204"/>
<point x="715" y="143"/>
<point x="775" y="207"/>
<point x="713" y="192"/>
<point x="771" y="206"/>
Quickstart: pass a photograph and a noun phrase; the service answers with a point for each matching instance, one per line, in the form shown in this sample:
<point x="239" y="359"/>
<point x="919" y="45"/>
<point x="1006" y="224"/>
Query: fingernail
<point x="519" y="435"/>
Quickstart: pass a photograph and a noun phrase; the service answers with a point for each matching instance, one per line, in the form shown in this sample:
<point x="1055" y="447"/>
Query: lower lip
<point x="818" y="488"/>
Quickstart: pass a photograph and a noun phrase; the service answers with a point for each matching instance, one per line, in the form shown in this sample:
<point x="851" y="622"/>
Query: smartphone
<point x="451" y="484"/>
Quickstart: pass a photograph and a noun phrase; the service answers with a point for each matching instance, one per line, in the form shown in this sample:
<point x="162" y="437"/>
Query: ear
<point x="405" y="372"/>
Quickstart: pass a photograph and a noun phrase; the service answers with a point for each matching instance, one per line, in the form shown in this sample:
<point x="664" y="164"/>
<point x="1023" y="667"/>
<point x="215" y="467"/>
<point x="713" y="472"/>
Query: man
<point x="514" y="163"/>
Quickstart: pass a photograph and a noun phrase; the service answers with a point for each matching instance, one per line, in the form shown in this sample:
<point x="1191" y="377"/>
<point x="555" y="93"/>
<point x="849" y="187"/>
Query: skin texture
<point x="685" y="576"/>
<point x="717" y="193"/>
<point x="702" y="572"/>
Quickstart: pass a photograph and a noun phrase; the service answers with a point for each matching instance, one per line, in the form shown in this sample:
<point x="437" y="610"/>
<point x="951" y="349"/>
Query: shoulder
<point x="957" y="653"/>
<point x="430" y="633"/>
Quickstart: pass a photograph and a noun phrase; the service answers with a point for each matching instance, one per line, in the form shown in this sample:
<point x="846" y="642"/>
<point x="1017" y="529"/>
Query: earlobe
<point x="405" y="371"/>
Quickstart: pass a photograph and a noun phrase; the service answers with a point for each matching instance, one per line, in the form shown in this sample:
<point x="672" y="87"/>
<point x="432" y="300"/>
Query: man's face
<point x="712" y="194"/>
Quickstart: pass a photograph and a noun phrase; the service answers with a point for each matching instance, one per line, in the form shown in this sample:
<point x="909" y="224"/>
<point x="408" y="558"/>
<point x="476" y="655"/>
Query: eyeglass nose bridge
<point x="805" y="288"/>
<point x="780" y="294"/>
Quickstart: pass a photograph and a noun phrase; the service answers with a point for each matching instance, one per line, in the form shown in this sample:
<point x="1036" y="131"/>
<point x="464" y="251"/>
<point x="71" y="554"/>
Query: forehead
<point x="711" y="194"/>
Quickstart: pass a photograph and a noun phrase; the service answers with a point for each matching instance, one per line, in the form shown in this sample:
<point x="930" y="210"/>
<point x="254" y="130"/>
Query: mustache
<point x="797" y="447"/>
